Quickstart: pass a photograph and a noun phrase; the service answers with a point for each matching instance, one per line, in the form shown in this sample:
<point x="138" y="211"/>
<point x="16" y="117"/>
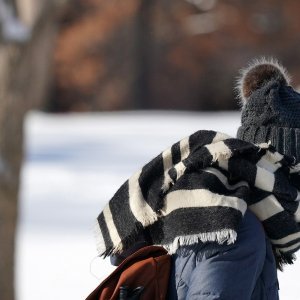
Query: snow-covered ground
<point x="73" y="165"/>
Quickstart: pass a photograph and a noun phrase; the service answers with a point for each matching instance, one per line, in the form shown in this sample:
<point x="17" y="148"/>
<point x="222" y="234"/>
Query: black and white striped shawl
<point x="199" y="190"/>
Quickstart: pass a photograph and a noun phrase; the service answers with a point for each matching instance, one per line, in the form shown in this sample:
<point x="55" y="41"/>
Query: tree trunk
<point x="144" y="40"/>
<point x="25" y="77"/>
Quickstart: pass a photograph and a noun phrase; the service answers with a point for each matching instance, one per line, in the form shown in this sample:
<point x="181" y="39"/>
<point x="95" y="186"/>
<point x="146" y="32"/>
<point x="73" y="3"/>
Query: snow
<point x="73" y="165"/>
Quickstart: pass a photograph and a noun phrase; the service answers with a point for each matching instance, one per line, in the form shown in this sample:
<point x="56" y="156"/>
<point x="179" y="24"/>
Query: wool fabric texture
<point x="271" y="108"/>
<point x="198" y="190"/>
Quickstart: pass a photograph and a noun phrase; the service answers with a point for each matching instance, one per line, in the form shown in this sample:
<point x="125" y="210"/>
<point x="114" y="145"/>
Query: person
<point x="247" y="268"/>
<point x="227" y="209"/>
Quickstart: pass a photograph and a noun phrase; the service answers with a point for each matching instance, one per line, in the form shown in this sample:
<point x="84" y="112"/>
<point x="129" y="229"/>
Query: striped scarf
<point x="199" y="190"/>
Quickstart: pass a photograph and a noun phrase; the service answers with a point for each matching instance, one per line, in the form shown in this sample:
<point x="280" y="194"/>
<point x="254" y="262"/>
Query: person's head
<point x="270" y="107"/>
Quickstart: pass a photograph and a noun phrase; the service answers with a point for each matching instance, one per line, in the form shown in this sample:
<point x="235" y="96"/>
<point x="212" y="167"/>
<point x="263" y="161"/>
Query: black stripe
<point x="289" y="206"/>
<point x="173" y="174"/>
<point x="256" y="195"/>
<point x="249" y="151"/>
<point x="151" y="181"/>
<point x="208" y="181"/>
<point x="201" y="138"/>
<point x="194" y="221"/>
<point x="194" y="163"/>
<point x="284" y="190"/>
<point x="176" y="154"/>
<point x="105" y="233"/>
<point x="242" y="169"/>
<point x="280" y="225"/>
<point x="123" y="217"/>
<point x="295" y="180"/>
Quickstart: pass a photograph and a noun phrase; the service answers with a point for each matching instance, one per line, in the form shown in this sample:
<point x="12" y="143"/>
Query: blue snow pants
<point x="245" y="270"/>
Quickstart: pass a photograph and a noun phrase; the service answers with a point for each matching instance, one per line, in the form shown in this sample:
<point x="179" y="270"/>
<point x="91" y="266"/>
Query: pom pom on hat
<point x="259" y="73"/>
<point x="270" y="107"/>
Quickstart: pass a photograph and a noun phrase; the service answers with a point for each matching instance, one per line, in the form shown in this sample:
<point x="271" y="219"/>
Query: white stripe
<point x="266" y="208"/>
<point x="200" y="198"/>
<point x="219" y="151"/>
<point x="220" y="137"/>
<point x="287" y="239"/>
<point x="180" y="168"/>
<point x="224" y="179"/>
<point x="264" y="180"/>
<point x="139" y="207"/>
<point x="265" y="163"/>
<point x="184" y="148"/>
<point x="297" y="213"/>
<point x="295" y="169"/>
<point x="113" y="232"/>
<point x="298" y="196"/>
<point x="167" y="159"/>
<point x="223" y="164"/>
<point x="270" y="156"/>
<point x="99" y="239"/>
<point x="168" y="163"/>
<point x="290" y="248"/>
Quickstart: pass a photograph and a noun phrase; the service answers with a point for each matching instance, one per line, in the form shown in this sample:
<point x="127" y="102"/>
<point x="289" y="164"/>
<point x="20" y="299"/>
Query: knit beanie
<point x="270" y="107"/>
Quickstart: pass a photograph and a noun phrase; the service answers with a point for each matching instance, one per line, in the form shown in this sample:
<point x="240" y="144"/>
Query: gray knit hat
<point x="270" y="107"/>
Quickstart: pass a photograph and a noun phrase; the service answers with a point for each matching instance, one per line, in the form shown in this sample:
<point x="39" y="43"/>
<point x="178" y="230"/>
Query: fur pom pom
<point x="258" y="73"/>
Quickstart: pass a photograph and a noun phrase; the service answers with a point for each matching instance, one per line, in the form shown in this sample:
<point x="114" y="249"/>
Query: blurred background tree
<point x="167" y="54"/>
<point x="27" y="32"/>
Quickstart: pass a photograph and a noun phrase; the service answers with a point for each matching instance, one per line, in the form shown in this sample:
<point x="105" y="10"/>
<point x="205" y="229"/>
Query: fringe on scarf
<point x="283" y="259"/>
<point x="226" y="235"/>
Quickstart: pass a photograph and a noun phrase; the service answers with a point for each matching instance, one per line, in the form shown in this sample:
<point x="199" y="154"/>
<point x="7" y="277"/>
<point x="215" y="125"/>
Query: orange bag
<point x="148" y="267"/>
